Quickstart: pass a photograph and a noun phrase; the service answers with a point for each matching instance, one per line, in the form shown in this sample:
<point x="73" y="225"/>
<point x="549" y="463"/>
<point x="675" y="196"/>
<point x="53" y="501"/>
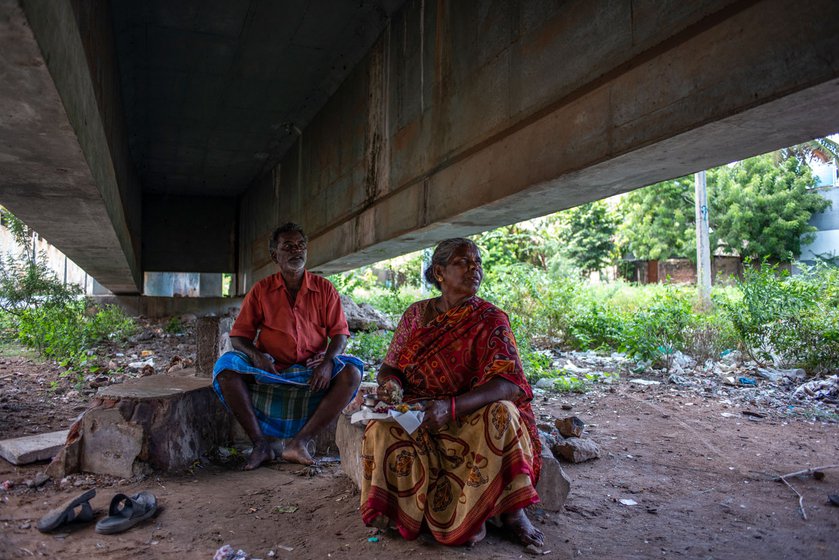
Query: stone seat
<point x="159" y="422"/>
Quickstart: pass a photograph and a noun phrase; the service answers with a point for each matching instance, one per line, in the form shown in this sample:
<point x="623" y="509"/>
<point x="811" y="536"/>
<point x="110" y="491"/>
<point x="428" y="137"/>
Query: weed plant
<point x="57" y="321"/>
<point x="774" y="317"/>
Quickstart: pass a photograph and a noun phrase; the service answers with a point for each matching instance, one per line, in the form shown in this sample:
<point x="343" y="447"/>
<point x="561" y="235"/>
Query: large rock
<point x="553" y="486"/>
<point x="576" y="450"/>
<point x="364" y="317"/>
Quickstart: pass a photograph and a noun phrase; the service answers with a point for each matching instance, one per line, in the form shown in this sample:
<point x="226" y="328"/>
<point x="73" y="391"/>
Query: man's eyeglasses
<point x="290" y="247"/>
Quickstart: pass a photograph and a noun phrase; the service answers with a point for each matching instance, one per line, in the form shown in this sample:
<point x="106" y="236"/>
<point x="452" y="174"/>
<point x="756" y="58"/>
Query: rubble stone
<point x="571" y="426"/>
<point x="364" y="317"/>
<point x="576" y="450"/>
<point x="553" y="486"/>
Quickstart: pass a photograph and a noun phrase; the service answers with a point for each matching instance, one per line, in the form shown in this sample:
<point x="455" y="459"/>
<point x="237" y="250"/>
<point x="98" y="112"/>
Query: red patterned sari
<point x="481" y="465"/>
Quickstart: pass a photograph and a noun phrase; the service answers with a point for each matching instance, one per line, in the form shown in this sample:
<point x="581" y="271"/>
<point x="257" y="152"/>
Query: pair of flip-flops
<point x="123" y="513"/>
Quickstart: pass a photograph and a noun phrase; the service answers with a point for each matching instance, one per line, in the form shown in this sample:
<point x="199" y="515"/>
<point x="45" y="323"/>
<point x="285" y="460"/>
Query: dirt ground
<point x="700" y="471"/>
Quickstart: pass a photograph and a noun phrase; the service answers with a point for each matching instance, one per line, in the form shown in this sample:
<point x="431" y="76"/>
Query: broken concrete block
<point x="570" y="427"/>
<point x="576" y="450"/>
<point x="29" y="449"/>
<point x="553" y="486"/>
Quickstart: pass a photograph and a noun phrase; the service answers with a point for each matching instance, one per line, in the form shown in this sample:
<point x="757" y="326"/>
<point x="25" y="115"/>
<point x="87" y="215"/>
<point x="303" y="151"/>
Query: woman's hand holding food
<point x="390" y="392"/>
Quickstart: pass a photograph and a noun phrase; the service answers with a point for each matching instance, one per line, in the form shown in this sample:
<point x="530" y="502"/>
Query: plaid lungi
<point x="281" y="401"/>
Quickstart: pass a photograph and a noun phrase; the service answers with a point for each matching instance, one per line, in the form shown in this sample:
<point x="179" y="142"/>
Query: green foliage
<point x="586" y="235"/>
<point x="655" y="333"/>
<point x="659" y="221"/>
<point x="817" y="149"/>
<point x="370" y="346"/>
<point x="55" y="320"/>
<point x="759" y="207"/>
<point x="509" y="246"/>
<point x="593" y="325"/>
<point x="26" y="284"/>
<point x="792" y="320"/>
<point x="174" y="326"/>
<point x="763" y="209"/>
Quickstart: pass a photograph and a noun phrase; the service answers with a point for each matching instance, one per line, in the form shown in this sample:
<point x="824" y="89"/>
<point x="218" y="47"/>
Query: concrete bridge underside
<point x="455" y="118"/>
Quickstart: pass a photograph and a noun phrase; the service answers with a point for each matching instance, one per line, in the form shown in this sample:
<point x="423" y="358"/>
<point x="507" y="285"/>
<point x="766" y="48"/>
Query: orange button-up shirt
<point x="291" y="335"/>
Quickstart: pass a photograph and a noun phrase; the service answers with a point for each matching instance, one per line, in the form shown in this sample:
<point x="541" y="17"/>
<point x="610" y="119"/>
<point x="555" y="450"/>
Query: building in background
<point x="826" y="244"/>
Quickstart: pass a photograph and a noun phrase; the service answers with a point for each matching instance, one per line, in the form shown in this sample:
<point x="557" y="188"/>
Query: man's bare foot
<point x="517" y="522"/>
<point x="296" y="452"/>
<point x="477" y="537"/>
<point x="261" y="453"/>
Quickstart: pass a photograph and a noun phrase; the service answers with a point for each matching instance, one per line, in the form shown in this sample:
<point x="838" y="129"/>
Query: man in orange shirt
<point x="286" y="377"/>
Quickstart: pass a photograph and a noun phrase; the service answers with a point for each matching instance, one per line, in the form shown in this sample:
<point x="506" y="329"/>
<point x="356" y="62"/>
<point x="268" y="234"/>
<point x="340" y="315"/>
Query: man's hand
<point x="321" y="375"/>
<point x="437" y="414"/>
<point x="315" y="360"/>
<point x="263" y="362"/>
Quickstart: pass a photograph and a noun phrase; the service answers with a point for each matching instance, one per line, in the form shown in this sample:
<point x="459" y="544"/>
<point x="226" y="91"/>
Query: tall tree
<point x="817" y="149"/>
<point x="658" y="221"/>
<point x="586" y="234"/>
<point x="763" y="208"/>
<point x="759" y="207"/>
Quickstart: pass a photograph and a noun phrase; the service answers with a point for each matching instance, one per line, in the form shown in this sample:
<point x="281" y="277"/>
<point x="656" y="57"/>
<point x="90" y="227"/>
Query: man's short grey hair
<point x="290" y="227"/>
<point x="443" y="254"/>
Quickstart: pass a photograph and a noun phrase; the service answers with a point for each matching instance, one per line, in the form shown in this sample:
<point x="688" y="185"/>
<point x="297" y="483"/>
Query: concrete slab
<point x="29" y="449"/>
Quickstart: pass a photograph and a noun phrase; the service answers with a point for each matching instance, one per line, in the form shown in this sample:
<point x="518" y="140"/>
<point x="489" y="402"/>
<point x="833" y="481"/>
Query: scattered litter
<point x="834" y="499"/>
<point x="644" y="382"/>
<point x="628" y="502"/>
<point x="822" y="389"/>
<point x="286" y="548"/>
<point x="286" y="509"/>
<point x="535" y="550"/>
<point x="753" y="414"/>
<point x="746" y="381"/>
<point x="227" y="553"/>
<point x="678" y="379"/>
<point x="372" y="539"/>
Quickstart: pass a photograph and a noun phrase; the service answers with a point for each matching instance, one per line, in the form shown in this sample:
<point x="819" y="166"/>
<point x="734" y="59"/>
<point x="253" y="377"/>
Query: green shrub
<point x="594" y="325"/>
<point x="653" y="334"/>
<point x="790" y="320"/>
<point x="54" y="319"/>
<point x="371" y="346"/>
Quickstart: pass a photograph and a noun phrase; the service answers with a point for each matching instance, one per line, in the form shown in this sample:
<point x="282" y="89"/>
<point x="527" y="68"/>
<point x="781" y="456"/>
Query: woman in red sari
<point x="476" y="455"/>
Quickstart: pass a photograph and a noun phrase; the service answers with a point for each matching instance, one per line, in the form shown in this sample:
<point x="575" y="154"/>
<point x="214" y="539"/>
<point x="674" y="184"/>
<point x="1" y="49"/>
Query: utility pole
<point x="703" y="251"/>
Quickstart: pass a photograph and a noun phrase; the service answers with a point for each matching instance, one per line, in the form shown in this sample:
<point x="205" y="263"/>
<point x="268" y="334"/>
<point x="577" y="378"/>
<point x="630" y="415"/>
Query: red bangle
<point x="454" y="415"/>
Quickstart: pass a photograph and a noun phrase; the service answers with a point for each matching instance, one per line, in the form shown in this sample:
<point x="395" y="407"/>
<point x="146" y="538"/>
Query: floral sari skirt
<point x="451" y="480"/>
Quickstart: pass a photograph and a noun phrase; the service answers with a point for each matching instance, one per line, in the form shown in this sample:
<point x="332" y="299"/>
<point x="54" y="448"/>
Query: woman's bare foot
<point x="382" y="522"/>
<point x="477" y="537"/>
<point x="296" y="452"/>
<point x="517" y="522"/>
<point x="260" y="453"/>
